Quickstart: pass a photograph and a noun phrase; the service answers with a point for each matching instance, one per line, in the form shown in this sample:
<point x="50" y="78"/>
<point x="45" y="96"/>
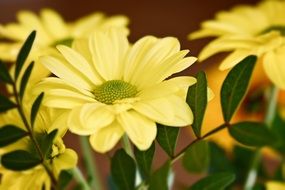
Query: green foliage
<point x="278" y="129"/>
<point x="218" y="181"/>
<point x="6" y="104"/>
<point x="144" y="160"/>
<point x="235" y="85"/>
<point x="36" y="107"/>
<point x="10" y="134"/>
<point x="64" y="179"/>
<point x="4" y="74"/>
<point x="197" y="100"/>
<point x="25" y="80"/>
<point x="123" y="170"/>
<point x="197" y="157"/>
<point x="159" y="179"/>
<point x="46" y="141"/>
<point x="252" y="134"/>
<point x="24" y="52"/>
<point x="167" y="138"/>
<point x="19" y="160"/>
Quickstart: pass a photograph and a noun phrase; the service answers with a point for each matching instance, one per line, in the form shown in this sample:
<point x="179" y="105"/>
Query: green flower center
<point x="278" y="28"/>
<point x="113" y="90"/>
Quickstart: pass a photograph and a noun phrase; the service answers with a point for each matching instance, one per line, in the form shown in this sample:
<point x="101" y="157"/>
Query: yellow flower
<point x="246" y="30"/>
<point x="272" y="185"/>
<point x="51" y="30"/>
<point x="111" y="87"/>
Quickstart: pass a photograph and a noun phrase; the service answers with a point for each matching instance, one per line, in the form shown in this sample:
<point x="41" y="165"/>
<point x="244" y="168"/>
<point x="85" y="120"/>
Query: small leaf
<point x="10" y="134"/>
<point x="36" y="107"/>
<point x="252" y="134"/>
<point x="6" y="104"/>
<point x="144" y="160"/>
<point x="4" y="74"/>
<point x="19" y="160"/>
<point x="24" y="52"/>
<point x="167" y="138"/>
<point x="25" y="80"/>
<point x="64" y="179"/>
<point x="197" y="157"/>
<point x="235" y="85"/>
<point x="46" y="141"/>
<point x="197" y="100"/>
<point x="218" y="181"/>
<point x="159" y="179"/>
<point x="123" y="170"/>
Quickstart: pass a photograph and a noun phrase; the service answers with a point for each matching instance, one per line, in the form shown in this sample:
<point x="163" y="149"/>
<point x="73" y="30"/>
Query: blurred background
<point x="157" y="17"/>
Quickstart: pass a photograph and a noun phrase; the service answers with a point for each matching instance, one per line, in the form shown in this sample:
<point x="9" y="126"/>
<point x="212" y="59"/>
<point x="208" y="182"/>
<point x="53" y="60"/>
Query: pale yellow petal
<point x="234" y="58"/>
<point x="66" y="160"/>
<point x="140" y="129"/>
<point x="274" y="185"/>
<point x="106" y="138"/>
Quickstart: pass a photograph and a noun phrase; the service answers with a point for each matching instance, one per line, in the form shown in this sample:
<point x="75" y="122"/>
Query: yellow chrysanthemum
<point x="111" y="87"/>
<point x="273" y="185"/>
<point x="51" y="30"/>
<point x="246" y="30"/>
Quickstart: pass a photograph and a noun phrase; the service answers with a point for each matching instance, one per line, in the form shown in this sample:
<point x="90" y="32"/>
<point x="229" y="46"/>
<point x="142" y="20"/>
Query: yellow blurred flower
<point x="111" y="87"/>
<point x="51" y="30"/>
<point x="246" y="30"/>
<point x="272" y="185"/>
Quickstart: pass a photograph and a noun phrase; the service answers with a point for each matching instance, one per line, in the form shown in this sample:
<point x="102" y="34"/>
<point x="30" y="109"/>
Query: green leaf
<point x="235" y="85"/>
<point x="24" y="52"/>
<point x="10" y="134"/>
<point x="46" y="141"/>
<point x="218" y="181"/>
<point x="6" y="104"/>
<point x="123" y="170"/>
<point x="144" y="160"/>
<point x="197" y="100"/>
<point x="197" y="157"/>
<point x="36" y="107"/>
<point x="25" y="80"/>
<point x="4" y="74"/>
<point x="64" y="179"/>
<point x="19" y="160"/>
<point x="252" y="134"/>
<point x="159" y="179"/>
<point x="167" y="138"/>
<point x="279" y="130"/>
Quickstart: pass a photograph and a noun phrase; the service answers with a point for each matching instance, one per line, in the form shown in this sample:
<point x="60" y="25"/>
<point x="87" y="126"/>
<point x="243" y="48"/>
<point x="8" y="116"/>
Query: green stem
<point x="76" y="173"/>
<point x="269" y="116"/>
<point x="90" y="165"/>
<point x="127" y="146"/>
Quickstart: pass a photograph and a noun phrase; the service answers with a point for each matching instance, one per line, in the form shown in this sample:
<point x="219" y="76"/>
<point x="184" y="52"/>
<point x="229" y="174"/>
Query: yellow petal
<point x="64" y="161"/>
<point x="234" y="58"/>
<point x="272" y="185"/>
<point x="106" y="138"/>
<point x="140" y="129"/>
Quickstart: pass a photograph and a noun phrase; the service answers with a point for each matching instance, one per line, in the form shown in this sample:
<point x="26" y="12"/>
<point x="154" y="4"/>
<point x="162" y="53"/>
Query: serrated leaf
<point x="252" y="134"/>
<point x="4" y="74"/>
<point x="10" y="134"/>
<point x="218" y="181"/>
<point x="6" y="104"/>
<point x="197" y="100"/>
<point x="46" y="141"/>
<point x="36" y="107"/>
<point x="159" y="179"/>
<point x="64" y="179"/>
<point x="144" y="160"/>
<point x="25" y="79"/>
<point x="167" y="138"/>
<point x="24" y="52"/>
<point x="123" y="170"/>
<point x="197" y="157"/>
<point x="19" y="160"/>
<point x="235" y="86"/>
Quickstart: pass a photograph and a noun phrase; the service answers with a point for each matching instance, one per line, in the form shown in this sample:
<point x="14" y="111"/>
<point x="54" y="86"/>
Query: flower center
<point x="278" y="28"/>
<point x="113" y="90"/>
<point x="66" y="42"/>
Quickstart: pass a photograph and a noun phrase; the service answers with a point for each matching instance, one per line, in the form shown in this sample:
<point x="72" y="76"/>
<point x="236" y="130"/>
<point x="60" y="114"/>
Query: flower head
<point x="246" y="30"/>
<point x="110" y="87"/>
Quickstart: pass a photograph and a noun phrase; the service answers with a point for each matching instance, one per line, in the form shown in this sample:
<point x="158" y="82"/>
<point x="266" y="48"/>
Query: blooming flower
<point x="110" y="87"/>
<point x="51" y="30"/>
<point x="246" y="30"/>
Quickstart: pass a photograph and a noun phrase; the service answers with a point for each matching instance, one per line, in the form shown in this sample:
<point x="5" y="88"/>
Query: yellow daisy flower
<point x="273" y="185"/>
<point x="110" y="87"/>
<point x="246" y="30"/>
<point x="51" y="30"/>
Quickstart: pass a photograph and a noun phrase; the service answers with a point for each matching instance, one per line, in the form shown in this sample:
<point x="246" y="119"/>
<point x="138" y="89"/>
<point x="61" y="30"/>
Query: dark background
<point x="157" y="17"/>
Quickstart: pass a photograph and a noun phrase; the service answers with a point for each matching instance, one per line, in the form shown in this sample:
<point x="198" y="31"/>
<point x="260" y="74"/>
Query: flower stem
<point x="127" y="146"/>
<point x="269" y="116"/>
<point x="76" y="173"/>
<point x="90" y="165"/>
